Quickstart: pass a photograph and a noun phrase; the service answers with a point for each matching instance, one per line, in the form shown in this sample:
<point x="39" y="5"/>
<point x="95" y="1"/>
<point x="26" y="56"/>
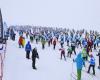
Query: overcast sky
<point x="58" y="13"/>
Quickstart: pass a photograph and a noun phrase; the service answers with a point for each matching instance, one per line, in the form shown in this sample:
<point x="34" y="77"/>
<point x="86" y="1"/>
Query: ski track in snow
<point x="49" y="66"/>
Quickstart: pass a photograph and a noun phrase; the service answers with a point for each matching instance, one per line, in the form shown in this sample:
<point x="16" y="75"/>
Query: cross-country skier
<point x="92" y="64"/>
<point x="62" y="52"/>
<point x="28" y="49"/>
<point x="54" y="43"/>
<point x="79" y="62"/>
<point x="34" y="56"/>
<point x="69" y="51"/>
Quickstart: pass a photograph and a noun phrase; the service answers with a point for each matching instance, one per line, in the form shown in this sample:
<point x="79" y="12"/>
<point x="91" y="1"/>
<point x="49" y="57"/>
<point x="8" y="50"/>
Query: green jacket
<point x="43" y="41"/>
<point x="69" y="49"/>
<point x="84" y="53"/>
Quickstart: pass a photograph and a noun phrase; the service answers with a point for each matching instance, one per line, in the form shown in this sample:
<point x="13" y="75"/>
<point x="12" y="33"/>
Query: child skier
<point x="54" y="44"/>
<point x="62" y="53"/>
<point x="69" y="51"/>
<point x="92" y="64"/>
<point x="73" y="46"/>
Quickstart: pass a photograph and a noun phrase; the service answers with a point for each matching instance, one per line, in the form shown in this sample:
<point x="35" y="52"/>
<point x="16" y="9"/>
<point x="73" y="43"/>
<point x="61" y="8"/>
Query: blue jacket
<point x="79" y="61"/>
<point x="92" y="61"/>
<point x="84" y="42"/>
<point x="28" y="47"/>
<point x="97" y="40"/>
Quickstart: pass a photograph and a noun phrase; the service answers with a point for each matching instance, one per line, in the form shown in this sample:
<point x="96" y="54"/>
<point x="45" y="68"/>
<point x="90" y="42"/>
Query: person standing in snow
<point x="20" y="42"/>
<point x="69" y="51"/>
<point x="43" y="41"/>
<point x="84" y="54"/>
<point x="79" y="62"/>
<point x="92" y="64"/>
<point x="37" y="38"/>
<point x="62" y="53"/>
<point x="31" y="37"/>
<point x="48" y="41"/>
<point x="27" y="34"/>
<point x="28" y="49"/>
<point x="73" y="47"/>
<point x="62" y="41"/>
<point x="34" y="56"/>
<point x="90" y="44"/>
<point x="54" y="44"/>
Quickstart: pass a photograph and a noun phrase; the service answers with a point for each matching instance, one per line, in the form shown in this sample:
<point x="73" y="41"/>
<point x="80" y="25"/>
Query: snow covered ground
<point x="49" y="66"/>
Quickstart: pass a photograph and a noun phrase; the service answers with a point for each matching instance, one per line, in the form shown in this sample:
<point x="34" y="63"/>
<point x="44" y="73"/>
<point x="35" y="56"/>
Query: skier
<point x="69" y="51"/>
<point x="90" y="44"/>
<point x="37" y="38"/>
<point x="27" y="33"/>
<point x="92" y="64"/>
<point x="73" y="47"/>
<point x="62" y="41"/>
<point x="48" y="41"/>
<point x="79" y="62"/>
<point x="99" y="58"/>
<point x="20" y="42"/>
<point x="43" y="43"/>
<point x="34" y="56"/>
<point x="62" y="53"/>
<point x="95" y="42"/>
<point x="31" y="37"/>
<point x="28" y="49"/>
<point x="13" y="37"/>
<point x="54" y="44"/>
<point x="84" y="54"/>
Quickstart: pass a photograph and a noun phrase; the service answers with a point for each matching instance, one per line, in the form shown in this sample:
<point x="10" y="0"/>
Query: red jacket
<point x="54" y="42"/>
<point x="90" y="42"/>
<point x="62" y="50"/>
<point x="20" y="40"/>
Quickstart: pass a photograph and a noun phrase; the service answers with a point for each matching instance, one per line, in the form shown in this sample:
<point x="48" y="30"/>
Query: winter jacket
<point x="90" y="42"/>
<point x="62" y="50"/>
<point x="92" y="61"/>
<point x="54" y="42"/>
<point x="84" y="53"/>
<point x="28" y="47"/>
<point x="20" y="40"/>
<point x="34" y="54"/>
<point x="95" y="42"/>
<point x="73" y="45"/>
<point x="69" y="49"/>
<point x="79" y="61"/>
<point x="84" y="42"/>
<point x="43" y="41"/>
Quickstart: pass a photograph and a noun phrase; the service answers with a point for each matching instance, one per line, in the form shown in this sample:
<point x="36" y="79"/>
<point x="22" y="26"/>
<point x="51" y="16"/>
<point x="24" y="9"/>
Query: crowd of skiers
<point x="82" y="39"/>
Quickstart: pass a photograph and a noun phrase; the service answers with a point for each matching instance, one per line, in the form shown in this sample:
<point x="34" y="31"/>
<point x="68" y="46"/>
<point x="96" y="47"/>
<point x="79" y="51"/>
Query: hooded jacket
<point x="79" y="61"/>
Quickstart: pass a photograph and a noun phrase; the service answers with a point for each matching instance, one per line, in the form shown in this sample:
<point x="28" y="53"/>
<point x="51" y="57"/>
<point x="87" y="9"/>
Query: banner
<point x="1" y="28"/>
